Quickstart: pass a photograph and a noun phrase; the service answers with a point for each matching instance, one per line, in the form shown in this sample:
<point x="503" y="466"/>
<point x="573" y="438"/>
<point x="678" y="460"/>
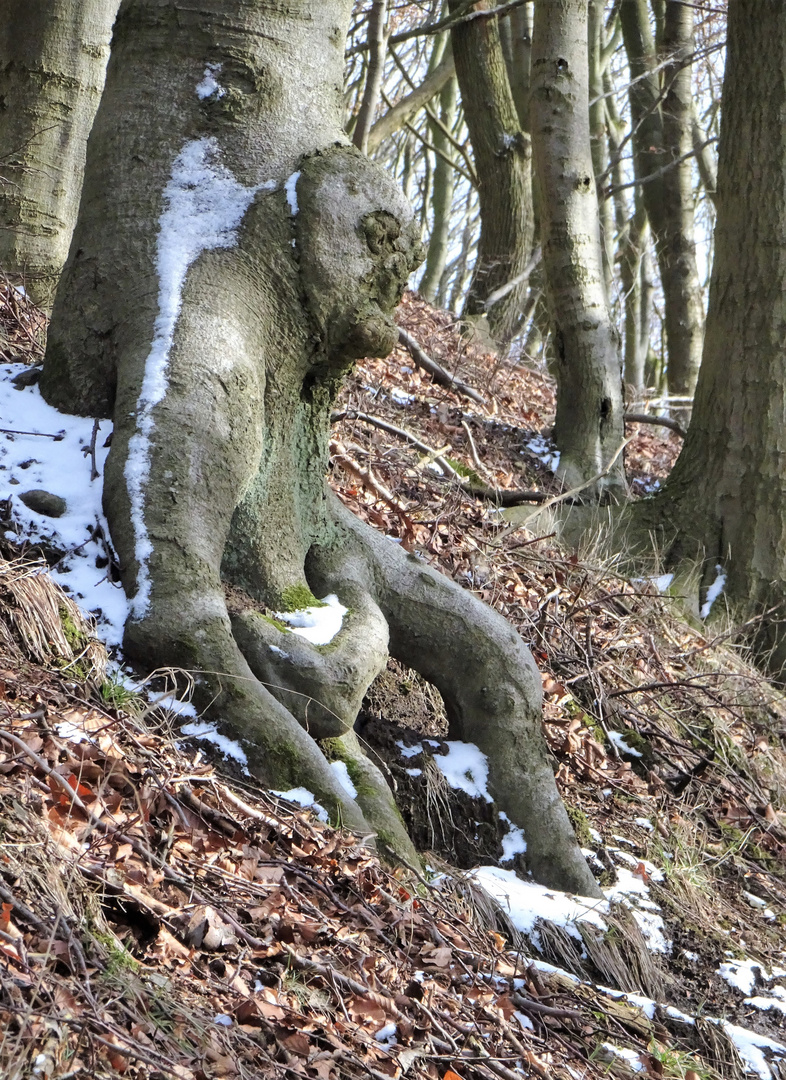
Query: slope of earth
<point x="163" y="917"/>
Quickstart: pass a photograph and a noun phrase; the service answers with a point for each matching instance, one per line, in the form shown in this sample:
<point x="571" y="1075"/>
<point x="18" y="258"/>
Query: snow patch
<point x="466" y="768"/>
<point x="341" y="770"/>
<point x="201" y="729"/>
<point x="209" y="85"/>
<point x="318" y="624"/>
<point x="713" y="592"/>
<point x="290" y="189"/>
<point x="302" y="797"/>
<point x="617" y="738"/>
<point x="203" y="207"/>
<point x="513" y="842"/>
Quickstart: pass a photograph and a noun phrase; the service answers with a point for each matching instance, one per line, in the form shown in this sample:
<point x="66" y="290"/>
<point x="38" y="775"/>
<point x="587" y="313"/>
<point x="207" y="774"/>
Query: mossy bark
<point x="233" y="499"/>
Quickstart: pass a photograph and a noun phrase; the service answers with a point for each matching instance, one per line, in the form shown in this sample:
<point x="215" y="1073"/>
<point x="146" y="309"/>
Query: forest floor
<point x="161" y="916"/>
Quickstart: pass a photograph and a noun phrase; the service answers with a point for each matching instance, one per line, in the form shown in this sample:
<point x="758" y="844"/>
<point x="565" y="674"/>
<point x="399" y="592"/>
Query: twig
<point x="438" y="373"/>
<point x="367" y="478"/>
<point x="20" y="744"/>
<point x="94" y="436"/>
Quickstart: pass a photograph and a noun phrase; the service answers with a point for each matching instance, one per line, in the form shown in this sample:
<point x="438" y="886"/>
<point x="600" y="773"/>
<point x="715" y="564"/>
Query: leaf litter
<point x="161" y="917"/>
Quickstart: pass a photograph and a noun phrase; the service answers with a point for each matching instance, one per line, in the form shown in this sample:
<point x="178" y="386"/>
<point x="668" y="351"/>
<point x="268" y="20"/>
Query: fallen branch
<point x="438" y="373"/>
<point x="660" y="421"/>
<point x="499" y="496"/>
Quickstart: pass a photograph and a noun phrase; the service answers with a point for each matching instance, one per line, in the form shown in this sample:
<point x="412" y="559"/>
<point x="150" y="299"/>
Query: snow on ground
<point x="201" y="729"/>
<point x="526" y="902"/>
<point x="318" y="624"/>
<point x="617" y="738"/>
<point x="466" y="768"/>
<point x="302" y="797"/>
<point x="31" y="460"/>
<point x="545" y="451"/>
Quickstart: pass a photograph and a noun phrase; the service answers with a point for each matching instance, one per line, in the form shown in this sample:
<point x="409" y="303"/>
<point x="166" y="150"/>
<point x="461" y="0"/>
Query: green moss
<point x="279" y="625"/>
<point x="465" y="471"/>
<point x="297" y="597"/>
<point x="581" y="825"/>
<point x="76" y="638"/>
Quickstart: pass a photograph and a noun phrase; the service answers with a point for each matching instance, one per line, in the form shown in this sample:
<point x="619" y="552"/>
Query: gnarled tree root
<point x="484" y="672"/>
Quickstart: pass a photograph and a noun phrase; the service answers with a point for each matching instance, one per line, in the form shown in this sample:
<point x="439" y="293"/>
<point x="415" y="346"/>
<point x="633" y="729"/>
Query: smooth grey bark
<point x="57" y="49"/>
<point x="377" y="42"/>
<point x="589" y="422"/>
<point x="215" y="484"/>
<point x="661" y="114"/>
<point x="503" y="157"/>
<point x="724" y="498"/>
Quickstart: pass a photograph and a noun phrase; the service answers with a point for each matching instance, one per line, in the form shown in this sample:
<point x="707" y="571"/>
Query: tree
<point x="725" y="498"/>
<point x="502" y="155"/>
<point x="233" y="256"/>
<point x="60" y="47"/>
<point x="589" y="425"/>
<point x="662" y="118"/>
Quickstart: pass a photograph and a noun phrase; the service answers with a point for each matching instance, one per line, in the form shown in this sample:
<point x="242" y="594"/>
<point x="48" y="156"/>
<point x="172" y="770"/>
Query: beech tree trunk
<point x="502" y="154"/>
<point x="725" y="498"/>
<point x="661" y="114"/>
<point x="242" y="257"/>
<point x="59" y="48"/>
<point x="589" y="423"/>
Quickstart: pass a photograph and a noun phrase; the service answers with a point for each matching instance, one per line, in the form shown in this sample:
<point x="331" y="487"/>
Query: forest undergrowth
<point x="160" y="916"/>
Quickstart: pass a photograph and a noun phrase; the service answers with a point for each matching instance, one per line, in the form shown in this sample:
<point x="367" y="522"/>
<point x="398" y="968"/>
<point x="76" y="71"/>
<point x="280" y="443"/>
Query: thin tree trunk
<point x="669" y="196"/>
<point x="60" y="47"/>
<point x="503" y="167"/>
<point x="442" y="195"/>
<point x="598" y="133"/>
<point x="589" y="423"/>
<point x="377" y="42"/>
<point x="676" y="247"/>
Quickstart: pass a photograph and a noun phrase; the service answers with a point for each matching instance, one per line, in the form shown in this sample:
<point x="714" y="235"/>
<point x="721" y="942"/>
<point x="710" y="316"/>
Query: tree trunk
<point x="377" y="42"/>
<point x="658" y="141"/>
<point x="589" y="424"/>
<point x="260" y="254"/>
<point x="516" y="35"/>
<point x="59" y="47"/>
<point x="684" y="309"/>
<point x="503" y="166"/>
<point x="725" y="497"/>
<point x="442" y="193"/>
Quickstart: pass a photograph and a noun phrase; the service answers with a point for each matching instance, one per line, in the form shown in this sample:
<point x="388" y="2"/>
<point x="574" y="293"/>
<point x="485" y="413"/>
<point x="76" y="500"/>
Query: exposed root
<point x="485" y="674"/>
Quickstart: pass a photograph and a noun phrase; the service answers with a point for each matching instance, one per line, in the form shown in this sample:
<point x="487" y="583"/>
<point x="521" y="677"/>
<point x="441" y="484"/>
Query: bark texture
<point x="502" y="155"/>
<point x="57" y="49"/>
<point x="725" y="498"/>
<point x="215" y="485"/>
<point x="589" y="424"/>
